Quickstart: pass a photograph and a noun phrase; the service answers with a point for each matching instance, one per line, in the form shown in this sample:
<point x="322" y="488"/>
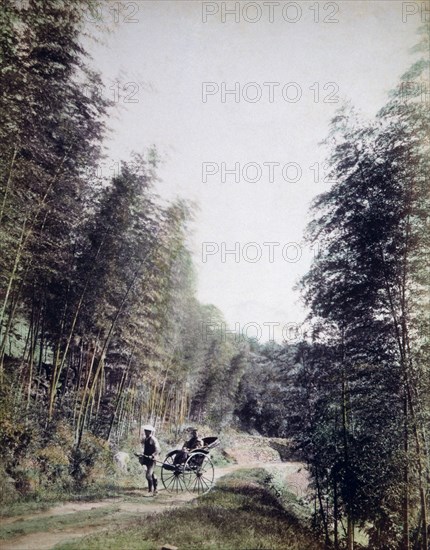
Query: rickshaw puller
<point x="151" y="449"/>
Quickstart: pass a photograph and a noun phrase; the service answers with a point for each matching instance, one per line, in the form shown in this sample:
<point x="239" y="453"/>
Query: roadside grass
<point x="52" y="523"/>
<point x="240" y="513"/>
<point x="22" y="508"/>
<point x="291" y="503"/>
<point x="47" y="499"/>
<point x="119" y="485"/>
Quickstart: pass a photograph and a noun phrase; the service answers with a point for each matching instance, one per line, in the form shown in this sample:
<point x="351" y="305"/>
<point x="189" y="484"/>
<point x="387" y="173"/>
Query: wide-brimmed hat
<point x="148" y="428"/>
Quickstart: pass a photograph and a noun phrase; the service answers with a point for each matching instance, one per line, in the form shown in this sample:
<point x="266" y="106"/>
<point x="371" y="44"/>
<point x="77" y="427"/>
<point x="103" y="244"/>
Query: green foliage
<point x="53" y="462"/>
<point x="8" y="492"/>
<point x="219" y="364"/>
<point x="264" y="389"/>
<point x="84" y="460"/>
<point x="98" y="321"/>
<point x="354" y="396"/>
<point x="15" y="439"/>
<point x="357" y="416"/>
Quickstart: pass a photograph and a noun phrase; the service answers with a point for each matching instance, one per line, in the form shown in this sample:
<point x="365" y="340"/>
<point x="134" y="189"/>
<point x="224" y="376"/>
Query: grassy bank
<point x="54" y="523"/>
<point x="46" y="499"/>
<point x="240" y="513"/>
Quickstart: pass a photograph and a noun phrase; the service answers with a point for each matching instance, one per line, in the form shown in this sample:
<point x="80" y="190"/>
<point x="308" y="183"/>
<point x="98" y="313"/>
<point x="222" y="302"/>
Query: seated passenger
<point x="195" y="442"/>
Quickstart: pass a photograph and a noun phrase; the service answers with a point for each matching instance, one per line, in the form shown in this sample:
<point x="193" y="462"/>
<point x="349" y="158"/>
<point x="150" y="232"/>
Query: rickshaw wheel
<point x="171" y="475"/>
<point x="199" y="473"/>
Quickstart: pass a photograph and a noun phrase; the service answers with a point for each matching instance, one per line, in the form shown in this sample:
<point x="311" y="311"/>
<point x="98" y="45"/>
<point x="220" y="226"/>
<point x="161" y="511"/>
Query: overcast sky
<point x="181" y="57"/>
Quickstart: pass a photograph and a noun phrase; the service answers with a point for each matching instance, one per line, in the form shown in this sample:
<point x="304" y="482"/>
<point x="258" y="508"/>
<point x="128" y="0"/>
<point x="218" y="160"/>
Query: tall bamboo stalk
<point x="83" y="407"/>
<point x="117" y="401"/>
<point x="26" y="232"/>
<point x="8" y="182"/>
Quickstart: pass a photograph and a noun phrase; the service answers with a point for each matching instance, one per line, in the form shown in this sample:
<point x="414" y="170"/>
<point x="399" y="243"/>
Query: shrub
<point x="89" y="460"/>
<point x="54" y="465"/>
<point x="15" y="439"/>
<point x="8" y="492"/>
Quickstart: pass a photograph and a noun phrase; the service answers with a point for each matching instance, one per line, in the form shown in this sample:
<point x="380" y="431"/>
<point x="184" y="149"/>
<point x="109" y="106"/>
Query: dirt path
<point x="120" y="511"/>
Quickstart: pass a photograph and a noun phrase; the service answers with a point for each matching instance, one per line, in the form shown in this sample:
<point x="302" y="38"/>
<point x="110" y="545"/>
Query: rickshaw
<point x="196" y="475"/>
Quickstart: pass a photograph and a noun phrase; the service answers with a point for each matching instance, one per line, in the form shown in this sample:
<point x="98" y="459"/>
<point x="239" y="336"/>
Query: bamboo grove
<point x="355" y="396"/>
<point x="101" y="331"/>
<point x="368" y="292"/>
<point x="100" y="327"/>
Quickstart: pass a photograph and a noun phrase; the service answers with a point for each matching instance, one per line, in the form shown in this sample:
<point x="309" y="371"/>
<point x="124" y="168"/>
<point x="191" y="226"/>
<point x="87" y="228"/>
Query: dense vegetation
<point x="101" y="329"/>
<point x="355" y="395"/>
